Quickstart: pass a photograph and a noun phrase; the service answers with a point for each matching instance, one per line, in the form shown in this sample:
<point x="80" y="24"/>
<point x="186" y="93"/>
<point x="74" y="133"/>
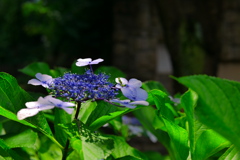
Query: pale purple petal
<point x="145" y="103"/>
<point x="152" y="137"/>
<point x="32" y="104"/>
<point x="129" y="92"/>
<point x="118" y="86"/>
<point x="35" y="82"/>
<point x="27" y="112"/>
<point x="67" y="104"/>
<point x="120" y="101"/>
<point x="135" y="130"/>
<point x="140" y="94"/>
<point x="68" y="110"/>
<point x="83" y="62"/>
<point x="125" y="103"/>
<point x="54" y="101"/>
<point x="96" y="61"/>
<point x="134" y="83"/>
<point x="121" y="81"/>
<point x="44" y="77"/>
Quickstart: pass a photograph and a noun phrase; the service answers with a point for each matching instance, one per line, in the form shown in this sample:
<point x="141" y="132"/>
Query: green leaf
<point x="86" y="143"/>
<point x="78" y="70"/>
<point x="61" y="117"/>
<point x="204" y="142"/>
<point x="27" y="138"/>
<point x="112" y="71"/>
<point x="13" y="98"/>
<point x="150" y="85"/>
<point x="103" y="108"/>
<point x="218" y="104"/>
<point x="147" y="116"/>
<point x="7" y="153"/>
<point x="106" y="112"/>
<point x="209" y="143"/>
<point x="189" y="101"/>
<point x="179" y="138"/>
<point x="86" y="110"/>
<point x="231" y="154"/>
<point x="90" y="150"/>
<point x="36" y="67"/>
<point x="122" y="149"/>
<point x="58" y="71"/>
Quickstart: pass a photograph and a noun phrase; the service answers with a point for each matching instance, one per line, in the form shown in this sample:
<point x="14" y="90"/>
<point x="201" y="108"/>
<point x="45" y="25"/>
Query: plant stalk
<point x="65" y="150"/>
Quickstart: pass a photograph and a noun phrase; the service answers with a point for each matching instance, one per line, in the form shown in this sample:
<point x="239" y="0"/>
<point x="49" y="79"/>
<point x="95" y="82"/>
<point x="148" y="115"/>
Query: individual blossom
<point x="131" y="89"/>
<point x="62" y="105"/>
<point x="41" y="104"/>
<point x="87" y="61"/>
<point x="83" y="87"/>
<point x="34" y="107"/>
<point x="127" y="103"/>
<point x="42" y="79"/>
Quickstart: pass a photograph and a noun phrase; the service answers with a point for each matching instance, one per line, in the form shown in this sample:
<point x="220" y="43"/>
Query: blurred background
<point x="147" y="39"/>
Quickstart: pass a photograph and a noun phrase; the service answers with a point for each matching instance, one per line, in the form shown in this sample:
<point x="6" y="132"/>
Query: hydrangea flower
<point x="127" y="103"/>
<point x="82" y="87"/>
<point x="131" y="89"/>
<point x="42" y="79"/>
<point x="87" y="61"/>
<point x="41" y="104"/>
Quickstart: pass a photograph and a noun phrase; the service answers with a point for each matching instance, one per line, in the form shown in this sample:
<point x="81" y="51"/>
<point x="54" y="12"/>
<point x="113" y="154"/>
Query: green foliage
<point x="13" y="99"/>
<point x="202" y="125"/>
<point x="217" y="105"/>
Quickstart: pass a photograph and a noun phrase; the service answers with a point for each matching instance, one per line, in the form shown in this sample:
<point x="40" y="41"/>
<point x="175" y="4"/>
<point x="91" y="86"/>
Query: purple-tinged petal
<point x="135" y="130"/>
<point x="144" y="103"/>
<point x="44" y="77"/>
<point x="41" y="104"/>
<point x="27" y="112"/>
<point x="35" y="82"/>
<point x="121" y="81"/>
<point x="130" y="93"/>
<point x="152" y="137"/>
<point x="125" y="103"/>
<point x="134" y="83"/>
<point x="96" y="61"/>
<point x="83" y="62"/>
<point x="68" y="110"/>
<point x="60" y="104"/>
<point x="140" y="94"/>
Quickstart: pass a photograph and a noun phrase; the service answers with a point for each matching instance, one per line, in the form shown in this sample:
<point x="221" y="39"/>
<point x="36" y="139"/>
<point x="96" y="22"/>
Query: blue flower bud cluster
<point x="83" y="87"/>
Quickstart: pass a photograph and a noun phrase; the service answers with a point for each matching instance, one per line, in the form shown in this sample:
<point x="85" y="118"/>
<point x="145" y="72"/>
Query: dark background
<point x="198" y="35"/>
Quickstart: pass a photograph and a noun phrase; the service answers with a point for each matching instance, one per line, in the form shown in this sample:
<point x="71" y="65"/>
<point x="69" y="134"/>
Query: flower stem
<point x="77" y="111"/>
<point x="65" y="150"/>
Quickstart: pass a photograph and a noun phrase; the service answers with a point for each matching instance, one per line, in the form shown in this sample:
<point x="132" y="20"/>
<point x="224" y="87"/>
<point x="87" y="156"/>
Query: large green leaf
<point x="204" y="142"/>
<point x="61" y="117"/>
<point x="218" y="104"/>
<point x="86" y="143"/>
<point x="231" y="154"/>
<point x="13" y="98"/>
<point x="122" y="149"/>
<point x="86" y="109"/>
<point x="36" y="67"/>
<point x="150" y="85"/>
<point x="7" y="153"/>
<point x="27" y="138"/>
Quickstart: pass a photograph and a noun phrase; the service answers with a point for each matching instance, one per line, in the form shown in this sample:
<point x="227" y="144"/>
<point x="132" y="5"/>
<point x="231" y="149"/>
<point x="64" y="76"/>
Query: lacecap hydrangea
<point x="76" y="88"/>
